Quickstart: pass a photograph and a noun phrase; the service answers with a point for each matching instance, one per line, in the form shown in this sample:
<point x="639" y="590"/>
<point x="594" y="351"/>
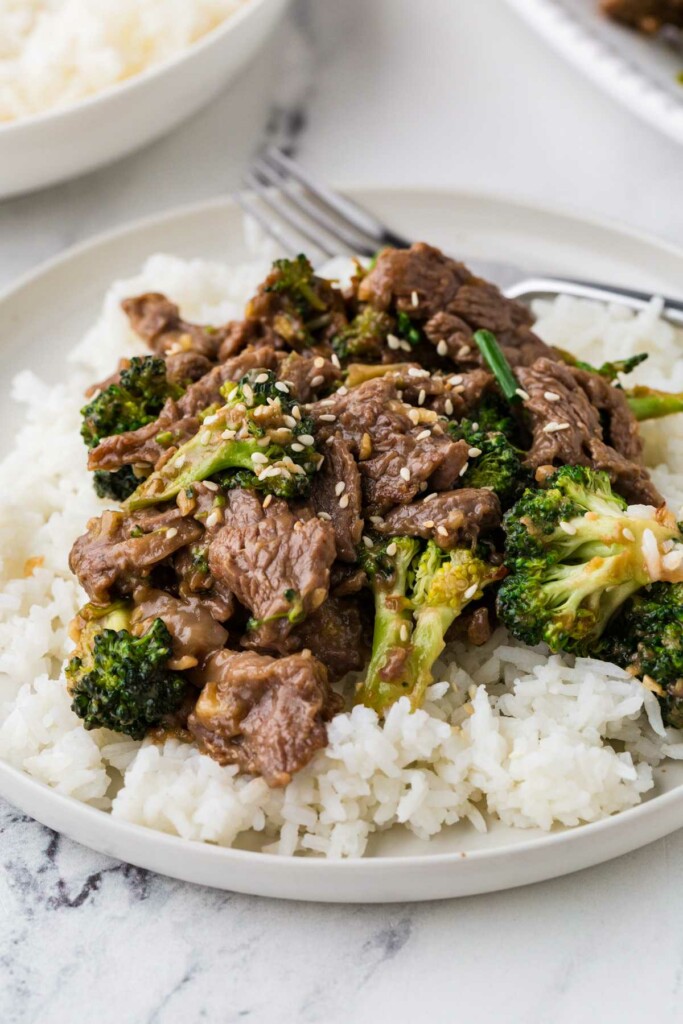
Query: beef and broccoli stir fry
<point x="344" y="481"/>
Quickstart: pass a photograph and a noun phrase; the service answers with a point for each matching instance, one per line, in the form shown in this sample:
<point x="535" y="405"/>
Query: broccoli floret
<point x="305" y="300"/>
<point x="365" y="337"/>
<point x="137" y="399"/>
<point x="647" y="637"/>
<point x="407" y="330"/>
<point x="120" y="681"/>
<point x="494" y="416"/>
<point x="387" y="565"/>
<point x="419" y="591"/>
<point x="575" y="556"/>
<point x="445" y="581"/>
<point x="498" y="466"/>
<point x="253" y="440"/>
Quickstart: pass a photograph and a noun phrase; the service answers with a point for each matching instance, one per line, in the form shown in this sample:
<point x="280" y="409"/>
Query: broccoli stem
<point x="650" y="404"/>
<point x="428" y="641"/>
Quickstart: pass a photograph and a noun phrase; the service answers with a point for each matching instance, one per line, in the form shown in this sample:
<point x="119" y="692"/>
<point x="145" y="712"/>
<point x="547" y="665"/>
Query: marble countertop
<point x="464" y="96"/>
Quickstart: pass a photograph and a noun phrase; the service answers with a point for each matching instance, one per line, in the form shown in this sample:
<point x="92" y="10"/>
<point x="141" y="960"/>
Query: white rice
<point x="56" y="52"/>
<point x="506" y="733"/>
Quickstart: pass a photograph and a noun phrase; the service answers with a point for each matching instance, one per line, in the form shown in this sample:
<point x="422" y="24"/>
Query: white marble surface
<point x="463" y="96"/>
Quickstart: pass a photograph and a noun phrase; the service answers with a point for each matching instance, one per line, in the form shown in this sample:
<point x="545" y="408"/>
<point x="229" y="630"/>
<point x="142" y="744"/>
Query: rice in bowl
<point x="507" y="732"/>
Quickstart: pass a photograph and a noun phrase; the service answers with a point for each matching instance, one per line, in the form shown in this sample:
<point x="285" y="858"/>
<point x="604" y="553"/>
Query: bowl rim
<point x="210" y="39"/>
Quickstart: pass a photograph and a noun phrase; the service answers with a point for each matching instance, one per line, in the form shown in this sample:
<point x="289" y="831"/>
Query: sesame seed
<point x="568" y="528"/>
<point x="331" y="439"/>
<point x="429" y="524"/>
<point x="553" y="427"/>
<point x="414" y="416"/>
<point x="471" y="591"/>
<point x="368" y="541"/>
<point x="228" y="435"/>
<point x="327" y="417"/>
<point x="325" y="515"/>
<point x="259" y="458"/>
<point x="404" y="346"/>
<point x="289" y="421"/>
<point x="296" y="447"/>
<point x="442" y="348"/>
<point x="464" y="469"/>
<point x="205" y="437"/>
<point x="180" y="461"/>
<point x="208" y="420"/>
<point x="248" y="393"/>
<point x="423" y="435"/>
<point x="210" y="485"/>
<point x="448" y="407"/>
<point x="415" y="371"/>
<point x="673" y="560"/>
<point x="628" y="534"/>
<point x="391" y="549"/>
<point x="214" y="518"/>
<point x="261" y="379"/>
<point x="404" y="633"/>
<point x="334" y="359"/>
<point x="318" y="362"/>
<point x="551" y="396"/>
<point x="463" y="352"/>
<point x="474" y="452"/>
<point x="421" y="397"/>
<point x="430" y="497"/>
<point x="307" y="439"/>
<point x="296" y="412"/>
<point x="415" y="301"/>
<point x="339" y="488"/>
<point x="344" y="501"/>
<point x="456" y="379"/>
<point x="376" y="520"/>
<point x="343" y="390"/>
<point x="267" y="500"/>
<point x="524" y="395"/>
<point x="405" y="472"/>
<point x="281" y="386"/>
<point x="393" y="342"/>
<point x="172" y="533"/>
<point x="475" y="427"/>
<point x="317" y="380"/>
<point x="442" y="530"/>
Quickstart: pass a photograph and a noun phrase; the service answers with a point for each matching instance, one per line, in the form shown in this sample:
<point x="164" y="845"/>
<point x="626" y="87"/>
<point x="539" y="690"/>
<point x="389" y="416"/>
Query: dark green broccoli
<point x="494" y="415"/>
<point x="120" y="681"/>
<point x="575" y="557"/>
<point x="646" y="637"/>
<point x="256" y="439"/>
<point x="407" y="330"/>
<point x="306" y="301"/>
<point x="498" y="465"/>
<point x="419" y="591"/>
<point x="135" y="400"/>
<point x="365" y="337"/>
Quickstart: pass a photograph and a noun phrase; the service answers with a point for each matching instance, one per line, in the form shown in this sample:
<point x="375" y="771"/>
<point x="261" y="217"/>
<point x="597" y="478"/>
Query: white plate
<point x="46" y="148"/>
<point x="45" y="314"/>
<point x="637" y="70"/>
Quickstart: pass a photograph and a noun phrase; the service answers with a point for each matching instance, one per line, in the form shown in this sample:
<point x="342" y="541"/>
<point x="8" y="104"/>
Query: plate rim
<point x="626" y="81"/>
<point x="654" y="812"/>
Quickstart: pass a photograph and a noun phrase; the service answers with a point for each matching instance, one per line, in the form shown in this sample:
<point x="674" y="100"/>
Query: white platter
<point x="637" y="70"/>
<point x="45" y="314"/>
<point x="47" y="148"/>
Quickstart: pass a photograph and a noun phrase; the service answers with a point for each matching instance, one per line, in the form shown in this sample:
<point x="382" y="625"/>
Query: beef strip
<point x="398" y="456"/>
<point x="118" y="552"/>
<point x="265" y="714"/>
<point x="557" y="400"/>
<point x="157" y="321"/>
<point x="309" y="376"/>
<point x="451" y="518"/>
<point x="195" y="632"/>
<point x="473" y="625"/>
<point x="179" y="419"/>
<point x="450" y="303"/>
<point x="334" y="633"/>
<point x="341" y="505"/>
<point x="279" y="313"/>
<point x="620" y="427"/>
<point x="276" y="563"/>
<point x="241" y="334"/>
<point x="346" y="579"/>
<point x="646" y="15"/>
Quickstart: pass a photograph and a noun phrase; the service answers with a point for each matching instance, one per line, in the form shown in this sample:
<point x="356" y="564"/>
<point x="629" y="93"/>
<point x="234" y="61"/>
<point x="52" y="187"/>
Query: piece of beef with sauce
<point x="157" y="320"/>
<point x="336" y="494"/>
<point x="276" y="562"/>
<point x="336" y="635"/>
<point x="566" y="431"/>
<point x="195" y="632"/>
<point x="451" y="518"/>
<point x="118" y="552"/>
<point x="400" y="450"/>
<point x="267" y="715"/>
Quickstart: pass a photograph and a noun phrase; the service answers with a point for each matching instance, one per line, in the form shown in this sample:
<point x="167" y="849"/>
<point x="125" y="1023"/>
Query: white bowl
<point x="47" y="148"/>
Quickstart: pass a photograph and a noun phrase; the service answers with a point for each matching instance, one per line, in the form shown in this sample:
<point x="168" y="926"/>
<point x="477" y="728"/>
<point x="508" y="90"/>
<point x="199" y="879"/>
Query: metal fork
<point x="294" y="207"/>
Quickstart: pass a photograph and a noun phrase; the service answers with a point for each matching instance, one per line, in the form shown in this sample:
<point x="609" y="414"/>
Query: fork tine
<point x="274" y="201"/>
<point x="341" y="231"/>
<point x="344" y="208"/>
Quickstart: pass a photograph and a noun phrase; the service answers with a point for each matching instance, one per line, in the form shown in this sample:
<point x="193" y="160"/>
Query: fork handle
<point x="544" y="287"/>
